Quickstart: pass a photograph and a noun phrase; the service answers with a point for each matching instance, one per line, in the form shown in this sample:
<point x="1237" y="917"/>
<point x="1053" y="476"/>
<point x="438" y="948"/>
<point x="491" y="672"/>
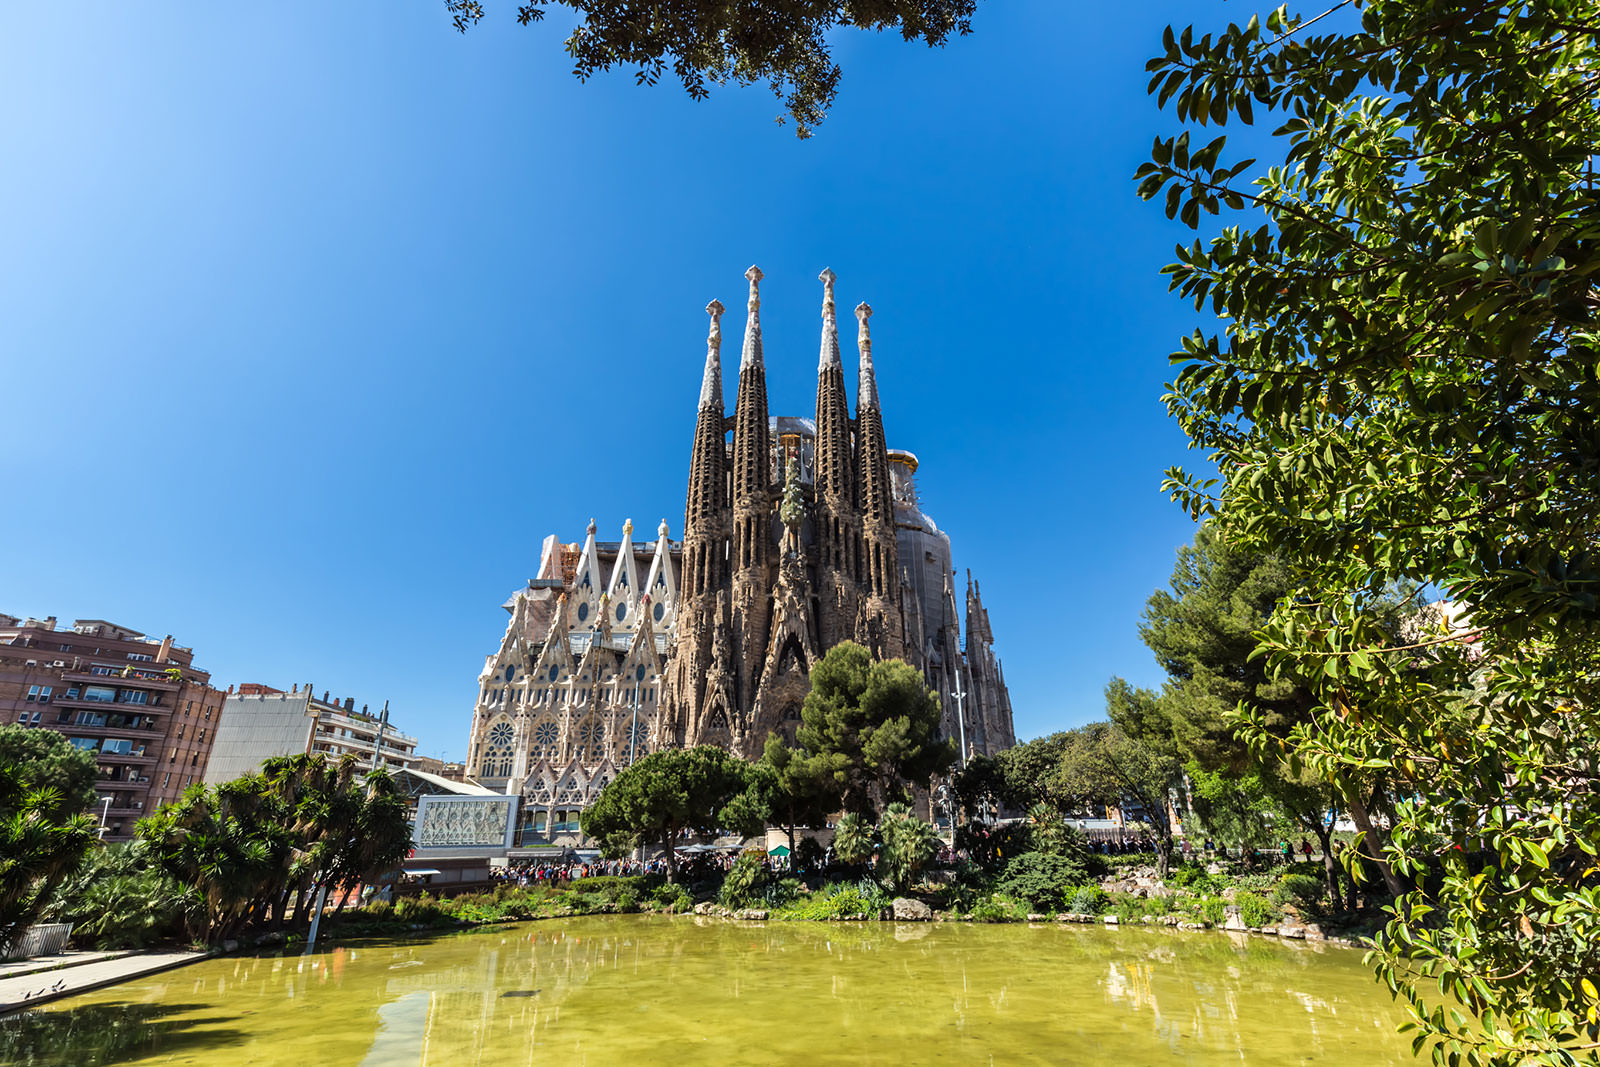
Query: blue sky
<point x="316" y="318"/>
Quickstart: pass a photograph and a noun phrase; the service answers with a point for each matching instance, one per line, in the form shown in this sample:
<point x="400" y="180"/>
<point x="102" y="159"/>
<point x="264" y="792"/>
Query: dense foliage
<point x="666" y="793"/>
<point x="1405" y="386"/>
<point x="714" y="42"/>
<point x="874" y="725"/>
<point x="258" y="850"/>
<point x="43" y="831"/>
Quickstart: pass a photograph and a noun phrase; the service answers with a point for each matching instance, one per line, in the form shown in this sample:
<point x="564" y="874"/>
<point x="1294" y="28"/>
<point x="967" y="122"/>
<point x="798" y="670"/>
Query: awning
<point x="778" y="850"/>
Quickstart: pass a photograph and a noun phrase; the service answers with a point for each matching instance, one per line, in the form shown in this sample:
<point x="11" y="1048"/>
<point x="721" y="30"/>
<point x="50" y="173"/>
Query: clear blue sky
<point x="316" y="318"/>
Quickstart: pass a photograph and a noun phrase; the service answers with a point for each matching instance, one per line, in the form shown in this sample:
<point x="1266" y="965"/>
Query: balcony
<point x="136" y="758"/>
<point x="122" y="706"/>
<point x="163" y="683"/>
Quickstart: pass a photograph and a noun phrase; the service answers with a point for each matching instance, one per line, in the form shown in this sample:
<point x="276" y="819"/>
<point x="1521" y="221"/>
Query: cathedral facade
<point x="798" y="533"/>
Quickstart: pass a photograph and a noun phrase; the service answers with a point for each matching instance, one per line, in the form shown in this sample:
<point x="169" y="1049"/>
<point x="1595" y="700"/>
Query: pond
<point x="649" y="989"/>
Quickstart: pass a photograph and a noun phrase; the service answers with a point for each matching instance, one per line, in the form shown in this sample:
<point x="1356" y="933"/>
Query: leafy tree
<point x="712" y="42"/>
<point x="118" y="897"/>
<point x="874" y="725"/>
<point x="43" y="759"/>
<point x="663" y="794"/>
<point x="1122" y="762"/>
<point x="794" y="789"/>
<point x="1042" y="878"/>
<point x="909" y="845"/>
<point x="38" y="848"/>
<point x="1028" y="772"/>
<point x="854" y="840"/>
<point x="259" y="849"/>
<point x="1203" y="630"/>
<point x="1404" y="386"/>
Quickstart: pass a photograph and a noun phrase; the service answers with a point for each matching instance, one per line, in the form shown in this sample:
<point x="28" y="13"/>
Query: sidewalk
<point x="68" y="979"/>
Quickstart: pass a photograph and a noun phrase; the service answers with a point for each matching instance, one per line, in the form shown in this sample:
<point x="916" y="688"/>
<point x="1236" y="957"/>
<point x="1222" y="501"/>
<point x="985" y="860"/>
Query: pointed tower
<point x="705" y="518"/>
<point x="837" y="527"/>
<point x="879" y="625"/>
<point x="752" y="547"/>
<point x="703" y="591"/>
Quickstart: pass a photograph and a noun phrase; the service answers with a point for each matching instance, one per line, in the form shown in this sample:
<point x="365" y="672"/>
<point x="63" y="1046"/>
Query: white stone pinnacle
<point x="830" y="324"/>
<point x="711" y="383"/>
<point x="752" y="326"/>
<point x="867" y="394"/>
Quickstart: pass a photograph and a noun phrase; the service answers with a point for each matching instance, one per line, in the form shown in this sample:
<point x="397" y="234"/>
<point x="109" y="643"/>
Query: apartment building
<point x="260" y="722"/>
<point x="138" y="703"/>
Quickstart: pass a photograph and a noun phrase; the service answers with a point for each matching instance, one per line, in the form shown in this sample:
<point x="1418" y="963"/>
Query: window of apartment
<point x="88" y="744"/>
<point x="70" y="694"/>
<point x="66" y="648"/>
<point x="132" y="696"/>
<point x="91" y="718"/>
<point x="39" y="693"/>
<point x="140" y="657"/>
<point x="172" y="755"/>
<point x="202" y="736"/>
<point x="165" y="778"/>
<point x="209" y="711"/>
<point x="187" y="708"/>
<point x="116" y="745"/>
<point x="100" y="694"/>
<point x="102" y="669"/>
<point x="194" y="760"/>
<point x="181" y="728"/>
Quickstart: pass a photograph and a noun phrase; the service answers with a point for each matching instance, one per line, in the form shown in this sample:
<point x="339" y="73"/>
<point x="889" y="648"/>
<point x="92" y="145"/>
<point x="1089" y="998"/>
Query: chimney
<point x="165" y="650"/>
<point x="349" y="703"/>
<point x="230" y="689"/>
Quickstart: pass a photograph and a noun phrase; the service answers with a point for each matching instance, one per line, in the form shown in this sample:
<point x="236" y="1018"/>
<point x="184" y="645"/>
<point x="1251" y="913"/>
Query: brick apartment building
<point x="138" y="703"/>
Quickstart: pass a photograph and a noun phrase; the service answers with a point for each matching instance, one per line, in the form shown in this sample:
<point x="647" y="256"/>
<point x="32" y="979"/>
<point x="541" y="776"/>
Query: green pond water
<point x="639" y="990"/>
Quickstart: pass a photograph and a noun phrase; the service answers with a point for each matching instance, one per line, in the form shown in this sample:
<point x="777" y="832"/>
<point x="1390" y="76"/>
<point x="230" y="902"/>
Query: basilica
<point x="798" y="533"/>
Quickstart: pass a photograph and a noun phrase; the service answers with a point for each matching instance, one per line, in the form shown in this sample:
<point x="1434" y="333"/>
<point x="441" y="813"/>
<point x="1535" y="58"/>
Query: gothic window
<point x="545" y="735"/>
<point x="591" y="744"/>
<point x="496" y="759"/>
<point x="555" y="672"/>
<point x="638" y="740"/>
<point x="661" y="610"/>
<point x="622" y="611"/>
<point x="583" y="610"/>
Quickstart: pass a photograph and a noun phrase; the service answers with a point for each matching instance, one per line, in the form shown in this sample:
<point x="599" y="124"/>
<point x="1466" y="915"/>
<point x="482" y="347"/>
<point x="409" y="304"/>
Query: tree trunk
<point x="1330" y="866"/>
<point x="1372" y="841"/>
<point x="672" y="856"/>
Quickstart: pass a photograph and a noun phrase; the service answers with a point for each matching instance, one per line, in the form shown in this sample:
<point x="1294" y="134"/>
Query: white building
<point x="260" y="722"/>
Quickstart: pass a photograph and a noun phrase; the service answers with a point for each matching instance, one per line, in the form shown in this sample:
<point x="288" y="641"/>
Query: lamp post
<point x="961" y="721"/>
<point x="377" y="748"/>
<point x="104" y="811"/>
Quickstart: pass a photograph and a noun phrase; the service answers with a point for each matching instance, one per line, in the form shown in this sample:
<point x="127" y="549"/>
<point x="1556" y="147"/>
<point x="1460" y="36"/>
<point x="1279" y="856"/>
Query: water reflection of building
<point x="615" y="649"/>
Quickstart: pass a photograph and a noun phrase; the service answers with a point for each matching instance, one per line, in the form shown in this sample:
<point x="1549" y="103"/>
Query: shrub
<point x="1213" y="911"/>
<point x="740" y="886"/>
<point x="909" y="844"/>
<point x="998" y="909"/>
<point x="1040" y="878"/>
<point x="839" y="900"/>
<point x="782" y="892"/>
<point x="1254" y="909"/>
<point x="1306" y="891"/>
<point x="1088" y="900"/>
<point x="672" y="898"/>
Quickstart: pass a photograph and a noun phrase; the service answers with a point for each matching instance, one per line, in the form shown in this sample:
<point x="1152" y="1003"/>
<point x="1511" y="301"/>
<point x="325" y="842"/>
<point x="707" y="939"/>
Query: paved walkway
<point x="24" y="990"/>
<point x="70" y="958"/>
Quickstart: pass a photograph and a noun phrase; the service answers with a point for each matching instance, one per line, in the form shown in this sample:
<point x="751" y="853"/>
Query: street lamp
<point x="104" y="811"/>
<point x="961" y="722"/>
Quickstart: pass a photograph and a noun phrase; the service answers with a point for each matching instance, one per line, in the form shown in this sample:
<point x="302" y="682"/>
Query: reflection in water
<point x="642" y="989"/>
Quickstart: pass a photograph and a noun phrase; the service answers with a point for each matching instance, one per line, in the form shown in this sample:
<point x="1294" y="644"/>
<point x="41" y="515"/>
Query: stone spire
<point x="752" y="451"/>
<point x="868" y="385"/>
<point x="881" y="628"/>
<point x="837" y="527"/>
<point x="872" y="449"/>
<point x="711" y="380"/>
<point x="705" y="521"/>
